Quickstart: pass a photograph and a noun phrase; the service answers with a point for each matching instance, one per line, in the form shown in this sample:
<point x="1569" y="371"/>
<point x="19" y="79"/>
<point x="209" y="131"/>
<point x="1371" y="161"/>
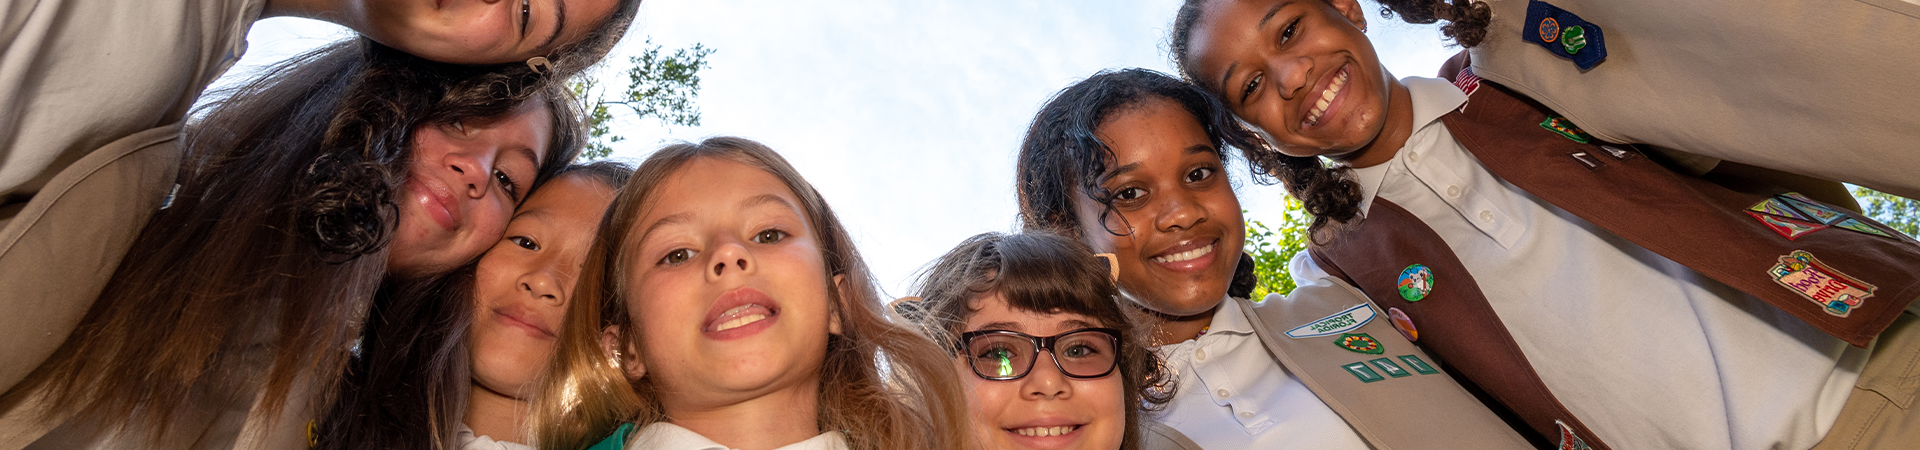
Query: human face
<point x="479" y="31"/>
<point x="465" y="180"/>
<point x="521" y="285"/>
<point x="1302" y="71"/>
<point x="1182" y="222"/>
<point x="1045" y="409"/>
<point x="728" y="289"/>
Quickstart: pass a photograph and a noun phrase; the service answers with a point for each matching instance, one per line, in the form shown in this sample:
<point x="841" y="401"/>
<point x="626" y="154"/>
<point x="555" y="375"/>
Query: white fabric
<point x="1648" y="353"/>
<point x="1232" y="394"/>
<point x="466" y="440"/>
<point x="78" y="74"/>
<point x="667" y="436"/>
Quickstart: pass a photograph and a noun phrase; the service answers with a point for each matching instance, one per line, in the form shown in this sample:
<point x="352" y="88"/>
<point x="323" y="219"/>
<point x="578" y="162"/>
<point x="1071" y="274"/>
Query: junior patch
<point x="1856" y="225"/>
<point x="1340" y="322"/>
<point x="1836" y="292"/>
<point x="1566" y="129"/>
<point x="1359" y="343"/>
<point x="1825" y="215"/>
<point x="1418" y="365"/>
<point x="1774" y="206"/>
<point x="1791" y="229"/>
<point x="1364" y="373"/>
<point x="1387" y="365"/>
<point x="1569" y="440"/>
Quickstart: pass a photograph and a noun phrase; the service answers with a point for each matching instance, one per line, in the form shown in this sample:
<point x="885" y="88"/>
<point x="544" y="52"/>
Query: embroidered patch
<point x="1587" y="159"/>
<point x="1856" y="225"/>
<point x="1415" y="282"/>
<point x="1773" y="205"/>
<point x="1565" y="34"/>
<point x="1569" y="440"/>
<point x="1418" y="365"/>
<point x="1819" y="212"/>
<point x="1361" y="371"/>
<point x="1340" y="322"/>
<point x="1566" y="128"/>
<point x="1617" y="152"/>
<point x="1387" y="365"/>
<point x="1838" y="293"/>
<point x="1359" y="343"/>
<point x="1791" y="229"/>
<point x="1404" y="324"/>
<point x="1466" y="81"/>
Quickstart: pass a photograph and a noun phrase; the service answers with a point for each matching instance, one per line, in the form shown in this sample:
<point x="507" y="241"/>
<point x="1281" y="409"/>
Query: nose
<point x="544" y="285"/>
<point x="1292" y="75"/>
<point x="1045" y="382"/>
<point x="731" y="256"/>
<point x="471" y="172"/>
<point x="1180" y="212"/>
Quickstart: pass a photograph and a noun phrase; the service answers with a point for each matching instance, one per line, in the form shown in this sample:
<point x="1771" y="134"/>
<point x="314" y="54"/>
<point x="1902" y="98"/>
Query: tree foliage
<point x="1272" y="247"/>
<point x="659" y="85"/>
<point x="1898" y="212"/>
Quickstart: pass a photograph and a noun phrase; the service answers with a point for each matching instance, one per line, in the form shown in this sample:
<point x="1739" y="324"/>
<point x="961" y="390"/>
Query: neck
<point x="497" y="416"/>
<point x="1169" y="329"/>
<point x="350" y="14"/>
<point x="766" y="422"/>
<point x="1393" y="135"/>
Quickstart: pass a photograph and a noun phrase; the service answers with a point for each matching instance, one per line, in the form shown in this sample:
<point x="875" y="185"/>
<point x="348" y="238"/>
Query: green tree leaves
<point x="1271" y="248"/>
<point x="659" y="85"/>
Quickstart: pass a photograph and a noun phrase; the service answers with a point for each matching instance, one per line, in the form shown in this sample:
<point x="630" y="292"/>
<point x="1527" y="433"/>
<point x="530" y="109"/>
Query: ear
<point x="833" y="320"/>
<point x="624" y="356"/>
<point x="1352" y="10"/>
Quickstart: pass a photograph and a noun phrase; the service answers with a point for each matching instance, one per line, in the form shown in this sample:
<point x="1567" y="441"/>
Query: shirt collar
<point x="1432" y="98"/>
<point x="1228" y="319"/>
<point x="667" y="436"/>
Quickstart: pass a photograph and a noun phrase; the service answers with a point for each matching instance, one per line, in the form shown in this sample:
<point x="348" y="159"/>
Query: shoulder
<point x="1157" y="436"/>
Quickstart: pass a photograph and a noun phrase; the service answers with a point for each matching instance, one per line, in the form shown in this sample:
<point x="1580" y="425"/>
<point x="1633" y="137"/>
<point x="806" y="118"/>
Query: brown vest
<point x="1850" y="284"/>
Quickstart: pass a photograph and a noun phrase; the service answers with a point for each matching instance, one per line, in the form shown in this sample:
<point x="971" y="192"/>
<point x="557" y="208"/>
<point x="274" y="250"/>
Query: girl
<point x="995" y="297"/>
<point x="96" y="91"/>
<point x="452" y="363"/>
<point x="1130" y="163"/>
<point x="723" y="304"/>
<point x="345" y="167"/>
<point x="1560" y="270"/>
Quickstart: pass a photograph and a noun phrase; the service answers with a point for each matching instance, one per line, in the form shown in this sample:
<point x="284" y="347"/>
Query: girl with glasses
<point x="1048" y="359"/>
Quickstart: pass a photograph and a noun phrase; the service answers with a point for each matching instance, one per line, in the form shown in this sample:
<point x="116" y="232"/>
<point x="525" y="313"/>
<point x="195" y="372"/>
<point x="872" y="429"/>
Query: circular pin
<point x="1549" y="29"/>
<point x="1415" y="282"/>
<point x="1573" y="39"/>
<point x="1404" y="324"/>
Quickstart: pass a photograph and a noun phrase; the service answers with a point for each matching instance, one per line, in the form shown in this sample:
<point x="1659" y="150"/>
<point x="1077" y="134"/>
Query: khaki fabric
<point x="1155" y="436"/>
<point x="57" y="254"/>
<point x="1408" y="411"/>
<point x="1881" y="413"/>
<point x="1822" y="88"/>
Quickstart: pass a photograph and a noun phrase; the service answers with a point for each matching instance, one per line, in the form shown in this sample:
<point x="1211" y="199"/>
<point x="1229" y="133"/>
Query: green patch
<point x="1418" y="364"/>
<point x="1387" y="365"/>
<point x="1361" y="371"/>
<point x="1566" y="128"/>
<point x="1359" y="343"/>
<point x="1573" y="38"/>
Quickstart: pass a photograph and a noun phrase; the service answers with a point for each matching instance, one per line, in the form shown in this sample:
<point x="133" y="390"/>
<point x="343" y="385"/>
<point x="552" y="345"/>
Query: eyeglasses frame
<point x="1040" y="343"/>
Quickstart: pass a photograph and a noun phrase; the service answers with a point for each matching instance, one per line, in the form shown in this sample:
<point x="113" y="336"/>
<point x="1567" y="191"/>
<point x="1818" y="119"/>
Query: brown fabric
<point x="1412" y="411"/>
<point x="58" y="253"/>
<point x="1454" y="320"/>
<point x="1881" y="412"/>
<point x="1696" y="223"/>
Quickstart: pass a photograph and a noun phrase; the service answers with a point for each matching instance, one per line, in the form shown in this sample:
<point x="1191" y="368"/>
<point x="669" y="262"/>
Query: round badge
<point x="1404" y="324"/>
<point x="1360" y="343"/>
<point x="1573" y="39"/>
<point x="1415" y="282"/>
<point x="1549" y="29"/>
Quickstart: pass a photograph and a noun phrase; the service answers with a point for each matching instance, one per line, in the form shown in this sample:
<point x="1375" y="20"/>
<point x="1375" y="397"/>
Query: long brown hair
<point x="915" y="403"/>
<point x="256" y="278"/>
<point x="1047" y="274"/>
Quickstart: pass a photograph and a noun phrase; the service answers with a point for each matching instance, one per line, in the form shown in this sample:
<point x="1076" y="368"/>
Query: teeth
<point x="1186" y="255"/>
<point x="744" y="318"/>
<point x="740" y="322"/>
<point x="1045" y="431"/>
<point x="1326" y="98"/>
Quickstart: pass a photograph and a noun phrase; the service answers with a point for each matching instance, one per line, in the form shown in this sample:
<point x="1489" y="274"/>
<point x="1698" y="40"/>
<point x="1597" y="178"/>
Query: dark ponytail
<point x="1467" y="19"/>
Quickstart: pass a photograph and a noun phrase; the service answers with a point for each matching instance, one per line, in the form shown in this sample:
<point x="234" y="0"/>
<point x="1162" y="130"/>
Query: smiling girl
<point x="1575" y="281"/>
<point x="1131" y="163"/>
<point x="723" y="305"/>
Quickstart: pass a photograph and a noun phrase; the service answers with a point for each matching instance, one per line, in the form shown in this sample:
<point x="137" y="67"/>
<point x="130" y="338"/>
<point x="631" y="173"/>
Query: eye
<point x="526" y="12"/>
<point x="525" y="242"/>
<point x="1287" y="34"/>
<point x="1080" y="351"/>
<point x="1253" y="85"/>
<point x="507" y="184"/>
<point x="770" y="236"/>
<point x="1199" y="174"/>
<point x="1132" y="193"/>
<point x="677" y="256"/>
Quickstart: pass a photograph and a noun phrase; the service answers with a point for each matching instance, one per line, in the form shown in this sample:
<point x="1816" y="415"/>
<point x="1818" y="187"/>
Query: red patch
<point x="1791" y="229"/>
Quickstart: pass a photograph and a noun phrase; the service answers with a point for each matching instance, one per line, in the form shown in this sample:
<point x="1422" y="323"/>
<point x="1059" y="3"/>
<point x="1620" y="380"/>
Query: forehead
<point x="993" y="309"/>
<point x="1224" y="32"/>
<point x="1155" y="128"/>
<point x="574" y="198"/>
<point x="710" y="186"/>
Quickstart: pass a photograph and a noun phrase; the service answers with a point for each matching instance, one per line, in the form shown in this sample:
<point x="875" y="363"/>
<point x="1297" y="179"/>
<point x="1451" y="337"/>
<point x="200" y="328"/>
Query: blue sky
<point x="905" y="115"/>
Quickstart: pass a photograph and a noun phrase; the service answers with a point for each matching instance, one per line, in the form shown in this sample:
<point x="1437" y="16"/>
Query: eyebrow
<point x="1008" y="326"/>
<point x="1199" y="148"/>
<point x="1261" y="25"/>
<point x="663" y="222"/>
<point x="560" y="22"/>
<point x="766" y="199"/>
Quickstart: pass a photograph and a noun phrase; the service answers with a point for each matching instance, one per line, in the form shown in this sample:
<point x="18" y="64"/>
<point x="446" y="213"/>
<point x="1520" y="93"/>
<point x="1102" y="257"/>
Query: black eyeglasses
<point x="1002" y="355"/>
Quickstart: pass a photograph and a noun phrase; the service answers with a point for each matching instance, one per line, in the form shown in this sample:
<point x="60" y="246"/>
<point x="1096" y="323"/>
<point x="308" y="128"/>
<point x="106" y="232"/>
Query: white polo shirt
<point x="1232" y="394"/>
<point x="667" y="436"/>
<point x="1648" y="353"/>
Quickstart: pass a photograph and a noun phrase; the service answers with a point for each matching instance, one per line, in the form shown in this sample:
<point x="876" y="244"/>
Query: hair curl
<point x="1467" y="20"/>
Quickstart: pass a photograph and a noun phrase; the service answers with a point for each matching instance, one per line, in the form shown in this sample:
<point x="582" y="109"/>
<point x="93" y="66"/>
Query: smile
<point x="740" y="313"/>
<point x="741" y="316"/>
<point x="1045" y="431"/>
<point x="1188" y="255"/>
<point x="1326" y="98"/>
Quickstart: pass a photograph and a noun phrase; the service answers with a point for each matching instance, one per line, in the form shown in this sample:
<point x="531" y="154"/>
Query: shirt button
<point x="1453" y="191"/>
<point x="1246" y="414"/>
<point x="1486" y="216"/>
<point x="1200" y="355"/>
<point x="1413" y="157"/>
<point x="1222" y="393"/>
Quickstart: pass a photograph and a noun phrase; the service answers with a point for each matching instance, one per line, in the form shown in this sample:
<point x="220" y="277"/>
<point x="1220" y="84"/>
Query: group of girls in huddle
<point x="384" y="244"/>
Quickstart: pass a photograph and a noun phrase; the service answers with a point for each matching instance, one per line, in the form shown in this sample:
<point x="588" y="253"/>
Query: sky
<point x="906" y="116"/>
